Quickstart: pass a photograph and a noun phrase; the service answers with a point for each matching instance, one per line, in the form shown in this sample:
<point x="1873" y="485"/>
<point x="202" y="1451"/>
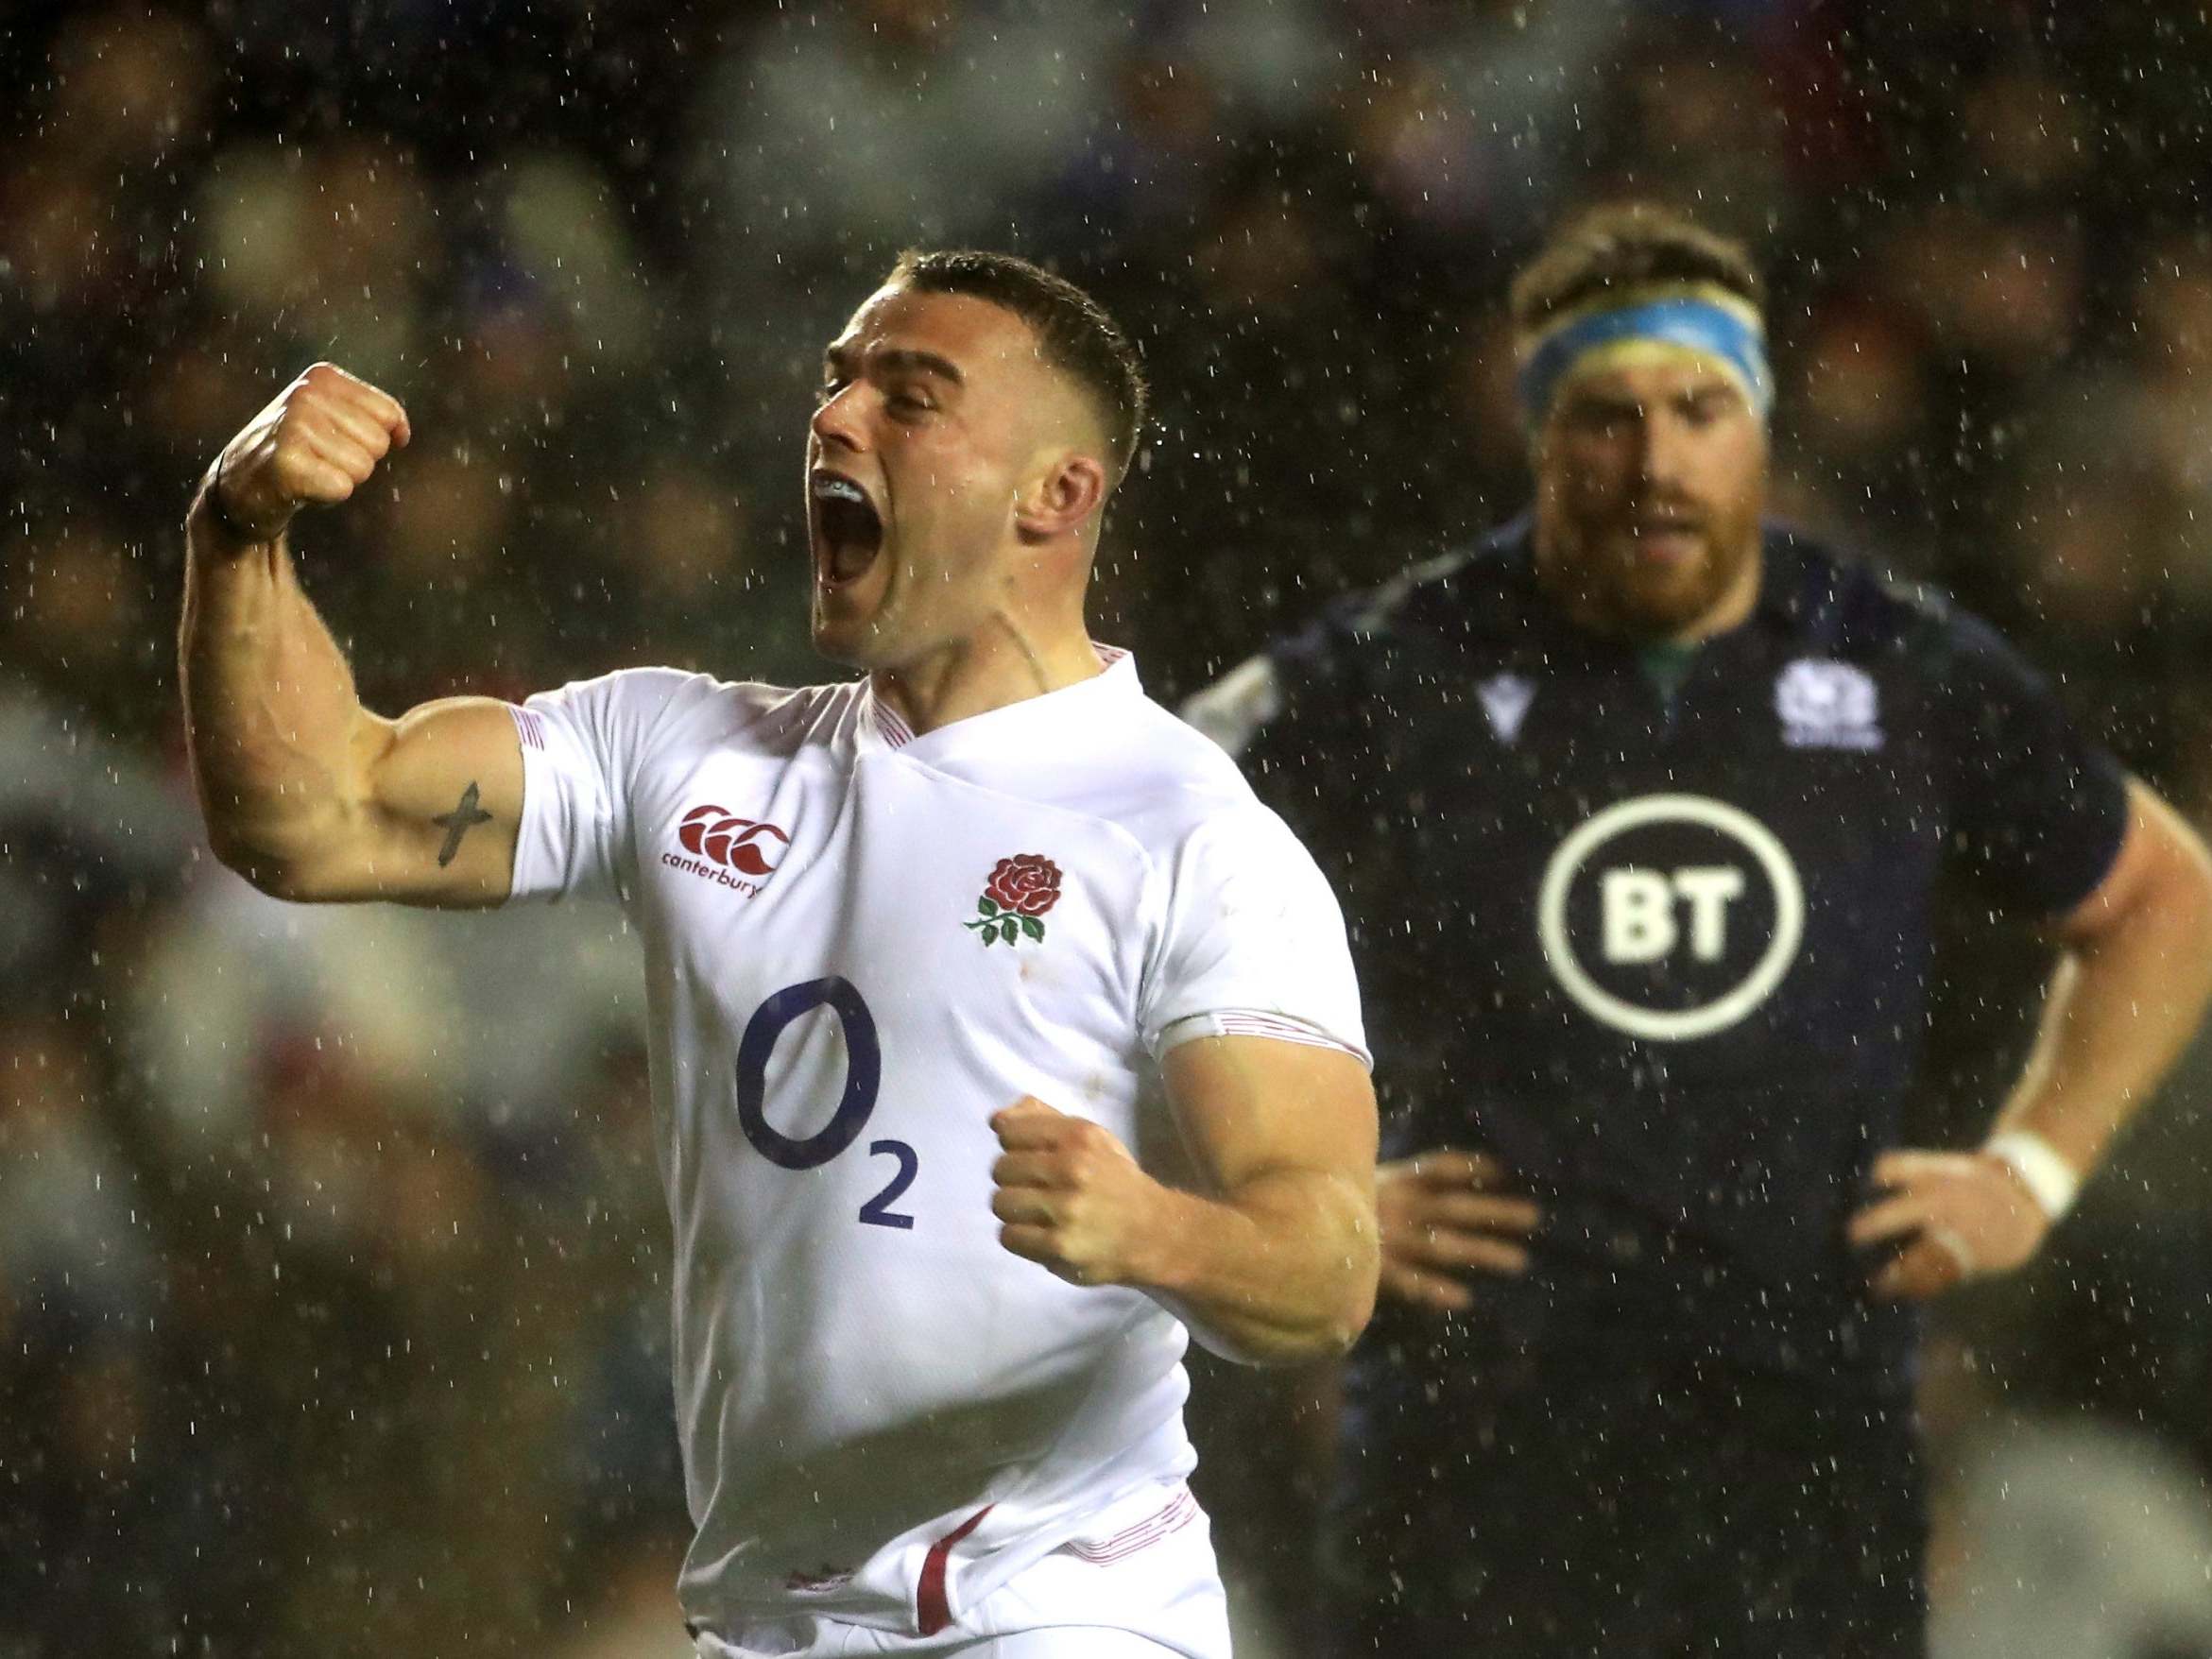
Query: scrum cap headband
<point x="1709" y="322"/>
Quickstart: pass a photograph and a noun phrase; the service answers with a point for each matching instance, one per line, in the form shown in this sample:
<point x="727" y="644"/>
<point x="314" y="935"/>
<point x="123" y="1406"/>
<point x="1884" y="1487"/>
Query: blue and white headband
<point x="1709" y="322"/>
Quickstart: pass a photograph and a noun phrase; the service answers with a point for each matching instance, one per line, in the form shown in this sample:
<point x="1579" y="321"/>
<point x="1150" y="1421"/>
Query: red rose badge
<point x="1022" y="888"/>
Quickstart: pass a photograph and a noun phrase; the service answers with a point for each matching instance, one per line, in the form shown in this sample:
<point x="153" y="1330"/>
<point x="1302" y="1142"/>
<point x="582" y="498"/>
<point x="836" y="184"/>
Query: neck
<point x="1007" y="660"/>
<point x="1732" y="606"/>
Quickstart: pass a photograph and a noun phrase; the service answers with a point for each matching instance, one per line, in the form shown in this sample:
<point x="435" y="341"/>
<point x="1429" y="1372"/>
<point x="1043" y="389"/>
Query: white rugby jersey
<point x="860" y="945"/>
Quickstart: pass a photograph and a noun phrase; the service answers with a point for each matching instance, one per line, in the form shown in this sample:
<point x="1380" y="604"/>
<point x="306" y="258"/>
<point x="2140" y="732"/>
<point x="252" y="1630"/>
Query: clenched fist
<point x="1069" y="1195"/>
<point x="318" y="441"/>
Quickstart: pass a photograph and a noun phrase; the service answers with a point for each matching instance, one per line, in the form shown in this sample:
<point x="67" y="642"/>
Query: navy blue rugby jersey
<point x="1666" y="953"/>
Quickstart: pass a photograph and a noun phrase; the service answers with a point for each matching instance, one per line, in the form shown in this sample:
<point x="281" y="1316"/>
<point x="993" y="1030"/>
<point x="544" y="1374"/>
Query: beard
<point x="1619" y="576"/>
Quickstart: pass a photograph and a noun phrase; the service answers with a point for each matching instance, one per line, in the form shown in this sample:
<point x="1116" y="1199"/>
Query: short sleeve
<point x="2041" y="809"/>
<point x="581" y="746"/>
<point x="1252" y="945"/>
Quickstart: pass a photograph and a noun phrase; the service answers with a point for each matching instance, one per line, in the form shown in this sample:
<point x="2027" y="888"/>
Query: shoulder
<point x="1470" y="593"/>
<point x="1161" y="783"/>
<point x="649" y="709"/>
<point x="649" y="691"/>
<point x="1846" y="604"/>
<point x="1153" y="772"/>
<point x="1906" y="633"/>
<point x="1197" y="816"/>
<point x="1472" y="599"/>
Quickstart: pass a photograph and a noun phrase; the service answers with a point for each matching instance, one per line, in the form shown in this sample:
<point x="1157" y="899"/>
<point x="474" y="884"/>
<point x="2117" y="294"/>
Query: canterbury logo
<point x="745" y="845"/>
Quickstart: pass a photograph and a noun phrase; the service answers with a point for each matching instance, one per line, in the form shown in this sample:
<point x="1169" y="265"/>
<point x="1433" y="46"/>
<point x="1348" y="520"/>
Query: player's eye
<point x="1604" y="420"/>
<point x="908" y="403"/>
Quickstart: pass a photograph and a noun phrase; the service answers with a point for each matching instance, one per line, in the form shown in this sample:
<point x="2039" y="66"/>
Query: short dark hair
<point x="1076" y="335"/>
<point x="1620" y="248"/>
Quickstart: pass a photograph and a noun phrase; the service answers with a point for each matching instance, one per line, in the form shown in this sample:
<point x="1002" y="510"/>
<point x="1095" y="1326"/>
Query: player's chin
<point x="843" y="640"/>
<point x="1670" y="593"/>
<point x="847" y="620"/>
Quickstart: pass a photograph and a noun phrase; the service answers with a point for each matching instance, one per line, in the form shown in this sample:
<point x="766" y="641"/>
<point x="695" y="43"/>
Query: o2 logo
<point x="1671" y="916"/>
<point x="864" y="1078"/>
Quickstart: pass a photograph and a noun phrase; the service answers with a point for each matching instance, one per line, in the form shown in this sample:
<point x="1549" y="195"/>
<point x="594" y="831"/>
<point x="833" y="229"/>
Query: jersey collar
<point x="1049" y="711"/>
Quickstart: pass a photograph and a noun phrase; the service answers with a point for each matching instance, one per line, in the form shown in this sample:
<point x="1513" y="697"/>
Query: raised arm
<point x="1277" y="1262"/>
<point x="306" y="794"/>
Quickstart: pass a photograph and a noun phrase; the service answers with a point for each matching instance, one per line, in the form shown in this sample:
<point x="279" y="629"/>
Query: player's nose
<point x="1663" y="449"/>
<point x="836" y="421"/>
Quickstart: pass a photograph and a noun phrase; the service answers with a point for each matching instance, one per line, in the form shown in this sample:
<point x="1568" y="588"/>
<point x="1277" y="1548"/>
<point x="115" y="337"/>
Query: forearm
<point x="2119" y="1011"/>
<point x="275" y="730"/>
<point x="1281" y="1270"/>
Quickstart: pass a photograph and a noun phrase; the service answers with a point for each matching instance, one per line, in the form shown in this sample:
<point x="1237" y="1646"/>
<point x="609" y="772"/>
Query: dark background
<point x="331" y="1249"/>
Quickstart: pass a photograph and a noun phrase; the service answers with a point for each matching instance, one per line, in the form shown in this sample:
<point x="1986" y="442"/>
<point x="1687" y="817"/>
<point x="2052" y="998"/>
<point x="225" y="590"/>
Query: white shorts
<point x="1143" y="1588"/>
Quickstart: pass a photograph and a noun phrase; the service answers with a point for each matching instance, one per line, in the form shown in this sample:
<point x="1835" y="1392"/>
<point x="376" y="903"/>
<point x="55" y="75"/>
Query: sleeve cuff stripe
<point x="1240" y="1023"/>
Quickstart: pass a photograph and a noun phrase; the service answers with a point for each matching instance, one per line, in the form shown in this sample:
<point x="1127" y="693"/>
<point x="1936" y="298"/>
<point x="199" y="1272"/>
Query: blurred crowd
<point x="332" y="1283"/>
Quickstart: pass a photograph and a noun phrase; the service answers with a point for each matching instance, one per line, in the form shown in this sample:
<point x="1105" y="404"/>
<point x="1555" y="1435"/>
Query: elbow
<point x="2197" y="882"/>
<point x="258" y="871"/>
<point x="1354" y="1308"/>
<point x="234" y="850"/>
<point x="2175" y="882"/>
<point x="1325" y="1338"/>
<point x="1354" y="1303"/>
<point x="1349" y="1302"/>
<point x="2179" y="901"/>
<point x="288" y="843"/>
<point x="1357" y="1313"/>
<point x="1331" y="1338"/>
<point x="1361" y="1280"/>
<point x="263" y="867"/>
<point x="1333" y="1330"/>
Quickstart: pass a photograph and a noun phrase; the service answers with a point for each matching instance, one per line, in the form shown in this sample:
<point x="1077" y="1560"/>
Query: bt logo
<point x="1639" y="911"/>
<point x="1671" y="916"/>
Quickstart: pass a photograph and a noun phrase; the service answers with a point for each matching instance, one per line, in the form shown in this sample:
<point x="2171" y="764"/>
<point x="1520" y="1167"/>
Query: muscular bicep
<point x="433" y="814"/>
<point x="1249" y="1107"/>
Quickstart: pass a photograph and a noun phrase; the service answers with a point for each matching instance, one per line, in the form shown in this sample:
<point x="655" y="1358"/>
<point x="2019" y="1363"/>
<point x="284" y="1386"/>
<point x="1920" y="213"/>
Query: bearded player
<point x="951" y="968"/>
<point x="1660" y="793"/>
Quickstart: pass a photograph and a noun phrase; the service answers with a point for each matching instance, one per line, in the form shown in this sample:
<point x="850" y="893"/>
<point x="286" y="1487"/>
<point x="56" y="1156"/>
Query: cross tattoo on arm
<point x="457" y="822"/>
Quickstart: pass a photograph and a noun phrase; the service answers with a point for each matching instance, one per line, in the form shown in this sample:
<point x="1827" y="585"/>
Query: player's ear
<point x="1065" y="491"/>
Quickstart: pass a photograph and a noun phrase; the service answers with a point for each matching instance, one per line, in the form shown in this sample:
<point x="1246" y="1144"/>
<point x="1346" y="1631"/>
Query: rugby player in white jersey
<point x="998" y="1035"/>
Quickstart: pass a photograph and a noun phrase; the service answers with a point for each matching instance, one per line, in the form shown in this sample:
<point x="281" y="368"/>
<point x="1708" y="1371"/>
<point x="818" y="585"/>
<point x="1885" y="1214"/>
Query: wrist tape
<point x="2053" y="1182"/>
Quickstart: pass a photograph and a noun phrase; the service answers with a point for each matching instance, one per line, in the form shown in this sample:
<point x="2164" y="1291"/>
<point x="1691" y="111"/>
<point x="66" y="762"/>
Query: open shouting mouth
<point x="1666" y="535"/>
<point x="847" y="529"/>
